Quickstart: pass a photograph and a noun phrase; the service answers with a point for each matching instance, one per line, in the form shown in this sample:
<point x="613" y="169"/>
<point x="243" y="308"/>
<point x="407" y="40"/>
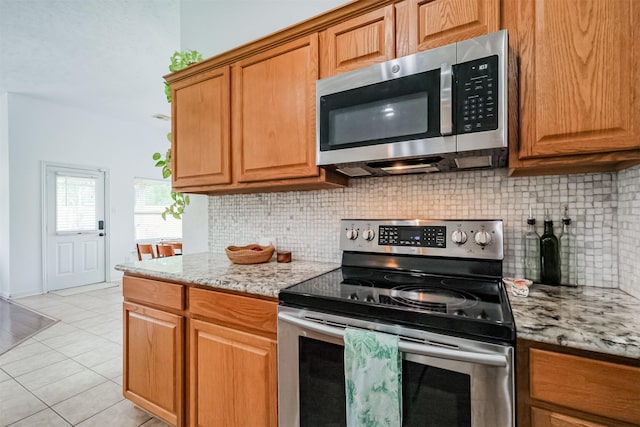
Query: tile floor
<point x="71" y="373"/>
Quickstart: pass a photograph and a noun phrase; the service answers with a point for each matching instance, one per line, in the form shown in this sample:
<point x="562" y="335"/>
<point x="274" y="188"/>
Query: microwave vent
<point x="354" y="171"/>
<point x="473" y="162"/>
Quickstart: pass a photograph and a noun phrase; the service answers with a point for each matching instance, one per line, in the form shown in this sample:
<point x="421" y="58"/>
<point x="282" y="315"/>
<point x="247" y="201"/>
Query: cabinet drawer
<point x="602" y="388"/>
<point x="153" y="292"/>
<point x="236" y="310"/>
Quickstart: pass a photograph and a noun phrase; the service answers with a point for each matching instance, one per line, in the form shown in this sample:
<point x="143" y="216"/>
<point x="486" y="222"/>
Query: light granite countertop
<point x="216" y="271"/>
<point x="588" y="318"/>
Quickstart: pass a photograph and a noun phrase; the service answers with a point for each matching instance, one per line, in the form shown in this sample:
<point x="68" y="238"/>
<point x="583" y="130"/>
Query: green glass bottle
<point x="550" y="254"/>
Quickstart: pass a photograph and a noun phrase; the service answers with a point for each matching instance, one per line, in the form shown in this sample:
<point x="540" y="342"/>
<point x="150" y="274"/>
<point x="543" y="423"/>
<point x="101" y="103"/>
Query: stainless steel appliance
<point x="439" y="110"/>
<point x="435" y="284"/>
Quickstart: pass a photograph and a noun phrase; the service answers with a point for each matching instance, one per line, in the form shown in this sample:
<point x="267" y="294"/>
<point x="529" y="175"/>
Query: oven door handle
<point x="406" y="346"/>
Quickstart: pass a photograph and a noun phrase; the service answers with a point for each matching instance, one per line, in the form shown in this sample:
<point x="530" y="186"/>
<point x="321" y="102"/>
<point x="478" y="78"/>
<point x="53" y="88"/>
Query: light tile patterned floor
<point x="71" y="373"/>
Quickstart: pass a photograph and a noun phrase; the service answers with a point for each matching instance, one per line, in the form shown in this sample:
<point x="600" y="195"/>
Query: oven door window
<point x="390" y="111"/>
<point x="431" y="397"/>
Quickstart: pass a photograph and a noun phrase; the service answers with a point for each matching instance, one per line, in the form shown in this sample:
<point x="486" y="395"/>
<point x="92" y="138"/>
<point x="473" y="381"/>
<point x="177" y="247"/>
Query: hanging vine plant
<point x="179" y="60"/>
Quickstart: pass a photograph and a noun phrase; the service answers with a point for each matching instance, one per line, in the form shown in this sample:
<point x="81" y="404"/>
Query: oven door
<point x="397" y="109"/>
<point x="446" y="381"/>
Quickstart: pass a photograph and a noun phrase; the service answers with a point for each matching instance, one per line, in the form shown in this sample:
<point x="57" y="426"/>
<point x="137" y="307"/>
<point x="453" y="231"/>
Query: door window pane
<point x="75" y="203"/>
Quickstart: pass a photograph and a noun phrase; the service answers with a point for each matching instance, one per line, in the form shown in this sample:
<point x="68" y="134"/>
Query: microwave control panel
<point x="477" y="94"/>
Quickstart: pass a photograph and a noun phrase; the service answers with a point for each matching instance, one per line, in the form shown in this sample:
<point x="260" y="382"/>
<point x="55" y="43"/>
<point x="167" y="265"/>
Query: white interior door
<point x="75" y="231"/>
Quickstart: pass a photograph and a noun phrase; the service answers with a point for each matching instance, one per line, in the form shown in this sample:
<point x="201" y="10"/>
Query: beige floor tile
<point x="99" y="355"/>
<point x="113" y="336"/>
<point x="57" y="310"/>
<point x="117" y="380"/>
<point x="86" y="324"/>
<point x="110" y="369"/>
<point x="26" y="349"/>
<point x="46" y="418"/>
<point x="49" y="374"/>
<point x="68" y="387"/>
<point x="155" y="422"/>
<point x="31" y="363"/>
<point x="80" y="347"/>
<point x="60" y="329"/>
<point x="16" y="403"/>
<point x="40" y="301"/>
<point x="122" y="414"/>
<point x="71" y="337"/>
<point x="89" y="403"/>
<point x="78" y="314"/>
<point x="4" y="376"/>
<point x="109" y="307"/>
<point x="104" y="327"/>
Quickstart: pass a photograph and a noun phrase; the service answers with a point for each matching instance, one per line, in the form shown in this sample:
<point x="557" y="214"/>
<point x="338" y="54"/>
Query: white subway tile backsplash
<point x="307" y="222"/>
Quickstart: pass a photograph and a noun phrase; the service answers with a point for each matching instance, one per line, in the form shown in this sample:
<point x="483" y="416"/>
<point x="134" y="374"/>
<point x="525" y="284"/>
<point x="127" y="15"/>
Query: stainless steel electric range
<point x="434" y="283"/>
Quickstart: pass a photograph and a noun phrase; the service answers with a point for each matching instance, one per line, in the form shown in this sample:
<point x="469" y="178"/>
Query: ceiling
<point x="106" y="56"/>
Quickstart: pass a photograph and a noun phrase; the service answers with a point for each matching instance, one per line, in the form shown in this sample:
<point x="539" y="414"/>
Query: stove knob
<point x="482" y="238"/>
<point x="459" y="237"/>
<point x="368" y="234"/>
<point x="459" y="312"/>
<point x="354" y="296"/>
<point x="369" y="298"/>
<point x="352" y="234"/>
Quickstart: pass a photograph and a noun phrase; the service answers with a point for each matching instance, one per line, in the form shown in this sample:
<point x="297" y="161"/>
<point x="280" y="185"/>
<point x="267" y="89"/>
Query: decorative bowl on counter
<point x="250" y="254"/>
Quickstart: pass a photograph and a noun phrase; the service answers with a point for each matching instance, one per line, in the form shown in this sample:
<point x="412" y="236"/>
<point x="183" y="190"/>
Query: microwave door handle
<point x="405" y="346"/>
<point x="446" y="99"/>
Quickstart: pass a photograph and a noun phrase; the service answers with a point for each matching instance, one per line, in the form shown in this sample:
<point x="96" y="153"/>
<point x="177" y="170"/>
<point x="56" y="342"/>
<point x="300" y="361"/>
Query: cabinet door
<point x="201" y="129"/>
<point x="358" y="42"/>
<point x="434" y="23"/>
<point x="153" y="361"/>
<point x="274" y="113"/>
<point x="542" y="418"/>
<point x="579" y="72"/>
<point x="233" y="377"/>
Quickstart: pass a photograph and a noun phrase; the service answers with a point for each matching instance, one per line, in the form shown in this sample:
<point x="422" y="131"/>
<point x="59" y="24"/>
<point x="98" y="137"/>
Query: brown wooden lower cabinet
<point x="222" y="373"/>
<point x="153" y="361"/>
<point x="563" y="387"/>
<point x="233" y="377"/>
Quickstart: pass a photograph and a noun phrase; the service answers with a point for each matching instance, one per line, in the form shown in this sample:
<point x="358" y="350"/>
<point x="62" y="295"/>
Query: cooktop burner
<point x="433" y="299"/>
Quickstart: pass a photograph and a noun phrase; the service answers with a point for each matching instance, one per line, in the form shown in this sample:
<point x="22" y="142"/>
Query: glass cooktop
<point x="459" y="306"/>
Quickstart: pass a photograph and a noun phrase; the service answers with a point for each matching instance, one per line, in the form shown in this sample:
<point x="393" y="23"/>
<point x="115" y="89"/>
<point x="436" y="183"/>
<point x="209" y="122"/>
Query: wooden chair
<point x="164" y="251"/>
<point x="145" y="250"/>
<point x="177" y="248"/>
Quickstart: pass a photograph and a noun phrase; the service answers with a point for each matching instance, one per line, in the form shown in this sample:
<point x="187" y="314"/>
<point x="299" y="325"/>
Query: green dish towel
<point x="373" y="379"/>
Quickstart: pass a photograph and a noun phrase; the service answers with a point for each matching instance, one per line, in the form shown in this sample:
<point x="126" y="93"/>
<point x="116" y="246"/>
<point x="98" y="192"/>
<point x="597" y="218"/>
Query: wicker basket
<point x="248" y="255"/>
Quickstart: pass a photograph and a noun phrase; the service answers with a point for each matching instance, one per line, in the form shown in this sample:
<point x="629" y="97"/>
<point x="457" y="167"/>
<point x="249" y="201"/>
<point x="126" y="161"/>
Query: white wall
<point x="215" y="26"/>
<point x="4" y="197"/>
<point x="44" y="131"/>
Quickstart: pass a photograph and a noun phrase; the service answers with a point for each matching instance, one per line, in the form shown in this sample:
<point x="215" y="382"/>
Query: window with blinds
<point x="152" y="197"/>
<point x="75" y="204"/>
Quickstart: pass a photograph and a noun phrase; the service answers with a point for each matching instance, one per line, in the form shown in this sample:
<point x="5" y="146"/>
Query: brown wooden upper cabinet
<point x="579" y="97"/>
<point x="274" y="113"/>
<point x="404" y="28"/>
<point x="201" y="140"/>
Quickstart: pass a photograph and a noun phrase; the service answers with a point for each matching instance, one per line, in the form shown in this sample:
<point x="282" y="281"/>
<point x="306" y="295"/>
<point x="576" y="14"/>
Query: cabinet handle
<point x="405" y="346"/>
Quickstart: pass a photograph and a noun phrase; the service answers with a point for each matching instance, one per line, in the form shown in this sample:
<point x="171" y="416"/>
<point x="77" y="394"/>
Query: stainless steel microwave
<point x="444" y="109"/>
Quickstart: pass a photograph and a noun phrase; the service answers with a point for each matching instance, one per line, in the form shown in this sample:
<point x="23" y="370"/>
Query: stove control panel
<point x="481" y="239"/>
